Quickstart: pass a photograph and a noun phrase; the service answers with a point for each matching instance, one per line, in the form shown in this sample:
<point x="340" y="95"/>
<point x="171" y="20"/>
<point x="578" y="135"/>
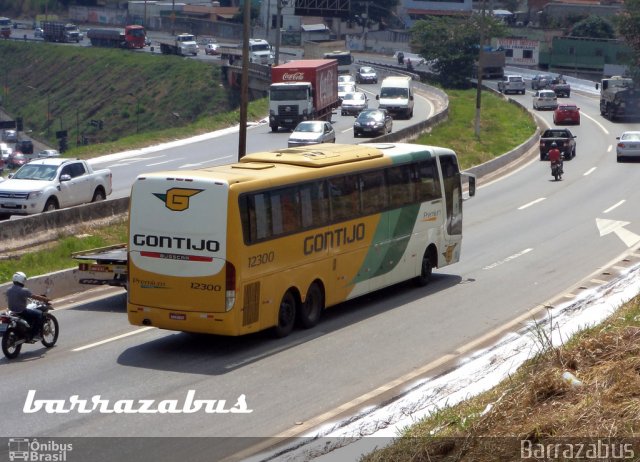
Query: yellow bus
<point x="276" y="238"/>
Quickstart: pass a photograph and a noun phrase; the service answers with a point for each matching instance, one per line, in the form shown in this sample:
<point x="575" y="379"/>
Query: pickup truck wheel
<point x="51" y="205"/>
<point x="98" y="195"/>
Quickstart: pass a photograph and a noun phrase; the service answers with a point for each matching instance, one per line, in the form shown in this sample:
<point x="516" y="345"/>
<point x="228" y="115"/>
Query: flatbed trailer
<point x="103" y="266"/>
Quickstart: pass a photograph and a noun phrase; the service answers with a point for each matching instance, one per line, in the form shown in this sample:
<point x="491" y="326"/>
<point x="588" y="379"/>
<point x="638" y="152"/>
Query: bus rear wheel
<point x="286" y="315"/>
<point x="312" y="307"/>
<point x="426" y="270"/>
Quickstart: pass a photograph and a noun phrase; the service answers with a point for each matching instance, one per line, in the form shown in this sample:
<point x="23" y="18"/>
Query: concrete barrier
<point x="27" y="231"/>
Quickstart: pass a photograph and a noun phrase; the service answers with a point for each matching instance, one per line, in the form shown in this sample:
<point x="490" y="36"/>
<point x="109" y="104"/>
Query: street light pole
<point x="278" y="26"/>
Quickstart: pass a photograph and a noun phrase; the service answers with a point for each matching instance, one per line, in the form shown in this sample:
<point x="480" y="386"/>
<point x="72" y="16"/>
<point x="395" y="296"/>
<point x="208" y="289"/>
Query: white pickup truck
<point x="44" y="185"/>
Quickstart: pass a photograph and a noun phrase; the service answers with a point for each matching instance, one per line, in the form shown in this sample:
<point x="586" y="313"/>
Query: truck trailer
<point x="181" y="45"/>
<point x="60" y="32"/>
<point x="300" y="90"/>
<point x="133" y="36"/>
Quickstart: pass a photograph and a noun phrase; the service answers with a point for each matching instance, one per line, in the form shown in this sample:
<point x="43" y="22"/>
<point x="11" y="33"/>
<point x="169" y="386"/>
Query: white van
<point x="396" y="96"/>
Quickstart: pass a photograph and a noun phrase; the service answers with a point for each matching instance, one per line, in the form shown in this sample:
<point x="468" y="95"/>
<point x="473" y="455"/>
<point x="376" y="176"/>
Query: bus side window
<point x="373" y="192"/>
<point x="314" y="204"/>
<point x="344" y="197"/>
<point x="262" y="216"/>
<point x="401" y="189"/>
<point x="427" y="181"/>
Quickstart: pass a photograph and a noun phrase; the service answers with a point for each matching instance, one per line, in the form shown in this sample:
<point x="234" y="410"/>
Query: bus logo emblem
<point x="177" y="199"/>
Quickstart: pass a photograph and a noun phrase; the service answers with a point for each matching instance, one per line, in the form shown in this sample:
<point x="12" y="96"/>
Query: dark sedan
<point x="373" y="122"/>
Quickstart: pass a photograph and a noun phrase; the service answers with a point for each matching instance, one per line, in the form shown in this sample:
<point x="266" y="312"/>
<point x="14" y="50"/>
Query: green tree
<point x="452" y="44"/>
<point x="628" y="22"/>
<point x="379" y="11"/>
<point x="593" y="27"/>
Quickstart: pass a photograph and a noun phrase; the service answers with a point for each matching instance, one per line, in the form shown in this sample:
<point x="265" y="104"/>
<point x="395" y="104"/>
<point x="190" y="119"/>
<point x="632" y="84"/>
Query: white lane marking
<point x="610" y="148"/>
<point x="211" y="161"/>
<point x="159" y="163"/>
<point x="522" y="207"/>
<point x="590" y="171"/>
<point x="615" y="206"/>
<point x="512" y="257"/>
<point x="113" y="339"/>
<point x="595" y="122"/>
<point x="350" y="129"/>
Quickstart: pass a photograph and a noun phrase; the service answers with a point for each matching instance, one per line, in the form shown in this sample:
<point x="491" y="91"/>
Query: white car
<point x="344" y="88"/>
<point x="312" y="132"/>
<point x="628" y="145"/>
<point x="46" y="153"/>
<point x="545" y="99"/>
<point x="346" y="78"/>
<point x="212" y="49"/>
<point x="511" y="83"/>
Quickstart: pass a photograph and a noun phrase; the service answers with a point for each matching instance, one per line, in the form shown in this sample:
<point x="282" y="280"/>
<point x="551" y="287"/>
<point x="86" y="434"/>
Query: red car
<point x="566" y="113"/>
<point x="17" y="160"/>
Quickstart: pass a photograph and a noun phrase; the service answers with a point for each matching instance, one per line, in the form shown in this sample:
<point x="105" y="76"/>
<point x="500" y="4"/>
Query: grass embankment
<point x="537" y="410"/>
<point x="140" y="98"/>
<point x="504" y="126"/>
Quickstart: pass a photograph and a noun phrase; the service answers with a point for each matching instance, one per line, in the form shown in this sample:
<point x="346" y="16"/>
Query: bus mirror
<point x="472" y="183"/>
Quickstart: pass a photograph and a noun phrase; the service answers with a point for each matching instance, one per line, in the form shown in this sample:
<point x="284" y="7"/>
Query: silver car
<point x="344" y="88"/>
<point x="628" y="145"/>
<point x="9" y="135"/>
<point x="353" y="103"/>
<point x="366" y="74"/>
<point x="545" y="99"/>
<point x="312" y="132"/>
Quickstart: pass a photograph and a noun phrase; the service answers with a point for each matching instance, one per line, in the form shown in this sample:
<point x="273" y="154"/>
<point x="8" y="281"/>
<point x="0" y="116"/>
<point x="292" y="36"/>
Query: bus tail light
<point x="230" y="289"/>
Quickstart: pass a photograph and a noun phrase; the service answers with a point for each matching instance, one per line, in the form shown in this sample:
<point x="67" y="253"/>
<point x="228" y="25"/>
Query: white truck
<point x="103" y="266"/>
<point x="259" y="53"/>
<point x="44" y="185"/>
<point x="181" y="45"/>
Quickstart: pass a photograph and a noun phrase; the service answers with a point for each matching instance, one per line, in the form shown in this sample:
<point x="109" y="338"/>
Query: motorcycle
<point x="556" y="169"/>
<point x="16" y="331"/>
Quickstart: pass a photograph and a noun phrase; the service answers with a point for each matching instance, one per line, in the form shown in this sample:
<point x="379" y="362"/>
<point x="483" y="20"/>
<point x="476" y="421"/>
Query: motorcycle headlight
<point x="34" y="195"/>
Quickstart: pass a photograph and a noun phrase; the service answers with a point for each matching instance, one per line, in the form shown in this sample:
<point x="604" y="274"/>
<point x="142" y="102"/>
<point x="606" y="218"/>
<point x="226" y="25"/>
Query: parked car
<point x="540" y="81"/>
<point x="545" y="99"/>
<point x="24" y="146"/>
<point x="212" y="49"/>
<point x="346" y="78"/>
<point x="628" y="145"/>
<point x="366" y="74"/>
<point x="5" y="151"/>
<point x="566" y="113"/>
<point x="344" y="88"/>
<point x="312" y="132"/>
<point x="45" y="153"/>
<point x="353" y="103"/>
<point x="511" y="83"/>
<point x="17" y="160"/>
<point x="373" y="122"/>
<point x="9" y="135"/>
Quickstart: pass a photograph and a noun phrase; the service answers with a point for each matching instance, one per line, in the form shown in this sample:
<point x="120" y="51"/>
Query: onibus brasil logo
<point x="30" y="449"/>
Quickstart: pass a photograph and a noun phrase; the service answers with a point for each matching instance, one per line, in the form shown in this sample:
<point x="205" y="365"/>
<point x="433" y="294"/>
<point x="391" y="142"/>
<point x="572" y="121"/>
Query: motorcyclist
<point x="555" y="156"/>
<point x="17" y="299"/>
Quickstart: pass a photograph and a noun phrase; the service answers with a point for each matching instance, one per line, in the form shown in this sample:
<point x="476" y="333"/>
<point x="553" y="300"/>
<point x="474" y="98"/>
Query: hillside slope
<point x="60" y="87"/>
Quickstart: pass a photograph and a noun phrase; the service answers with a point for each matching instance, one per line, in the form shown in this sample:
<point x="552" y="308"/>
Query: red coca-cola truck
<point x="300" y="90"/>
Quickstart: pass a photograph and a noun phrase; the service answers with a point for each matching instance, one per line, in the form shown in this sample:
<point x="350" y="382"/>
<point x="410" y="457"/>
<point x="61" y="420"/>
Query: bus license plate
<point x="178" y="316"/>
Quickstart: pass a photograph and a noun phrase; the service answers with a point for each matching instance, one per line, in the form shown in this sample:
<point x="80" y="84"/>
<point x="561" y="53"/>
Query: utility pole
<point x="244" y="84"/>
<point x="480" y="69"/>
<point x="278" y="31"/>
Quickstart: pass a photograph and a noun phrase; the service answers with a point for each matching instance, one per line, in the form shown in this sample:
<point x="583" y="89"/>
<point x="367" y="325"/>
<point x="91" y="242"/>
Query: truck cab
<point x="260" y="52"/>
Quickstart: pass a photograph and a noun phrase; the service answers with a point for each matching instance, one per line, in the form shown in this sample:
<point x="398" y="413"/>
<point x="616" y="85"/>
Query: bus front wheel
<point x="312" y="307"/>
<point x="426" y="270"/>
<point x="286" y="315"/>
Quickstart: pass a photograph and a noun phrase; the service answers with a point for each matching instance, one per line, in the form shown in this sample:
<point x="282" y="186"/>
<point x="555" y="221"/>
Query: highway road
<point x="528" y="239"/>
